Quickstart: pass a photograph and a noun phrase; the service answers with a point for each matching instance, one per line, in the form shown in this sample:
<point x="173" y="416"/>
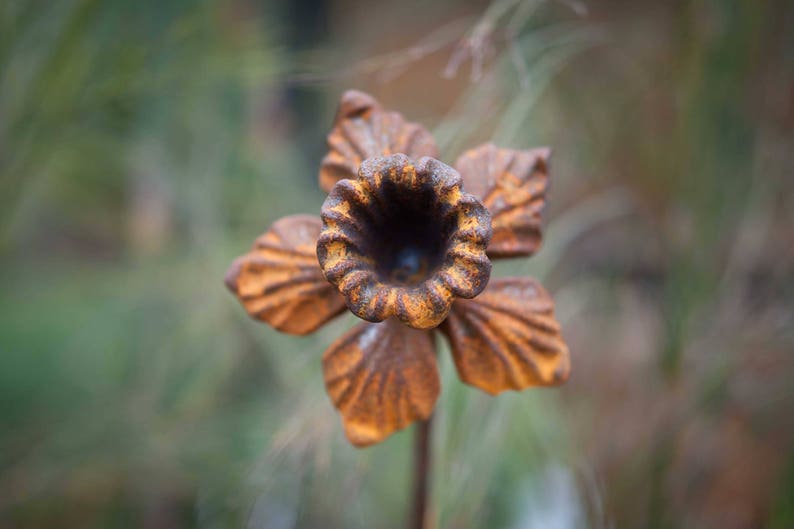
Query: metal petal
<point x="507" y="337"/>
<point x="512" y="185"/>
<point x="363" y="129"/>
<point x="381" y="377"/>
<point x="280" y="282"/>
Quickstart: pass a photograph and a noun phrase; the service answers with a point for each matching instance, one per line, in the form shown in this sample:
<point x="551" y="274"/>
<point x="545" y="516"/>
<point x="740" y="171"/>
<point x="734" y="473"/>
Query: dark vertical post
<point x="422" y="461"/>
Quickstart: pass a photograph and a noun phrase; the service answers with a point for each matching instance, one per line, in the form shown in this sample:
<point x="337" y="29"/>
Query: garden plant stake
<point x="404" y="242"/>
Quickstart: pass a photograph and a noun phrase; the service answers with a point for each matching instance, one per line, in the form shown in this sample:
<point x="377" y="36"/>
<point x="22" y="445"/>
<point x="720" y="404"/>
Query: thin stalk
<point x="422" y="460"/>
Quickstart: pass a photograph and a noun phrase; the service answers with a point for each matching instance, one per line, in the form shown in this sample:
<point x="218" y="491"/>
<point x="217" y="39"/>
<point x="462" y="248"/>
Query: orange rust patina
<point x="404" y="242"/>
<point x="512" y="185"/>
<point x="363" y="129"/>
<point x="508" y="338"/>
<point x="279" y="282"/>
<point x="408" y="383"/>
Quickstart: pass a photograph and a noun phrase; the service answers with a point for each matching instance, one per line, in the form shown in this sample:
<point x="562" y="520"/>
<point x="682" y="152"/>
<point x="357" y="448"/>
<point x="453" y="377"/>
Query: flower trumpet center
<point x="404" y="240"/>
<point x="407" y="239"/>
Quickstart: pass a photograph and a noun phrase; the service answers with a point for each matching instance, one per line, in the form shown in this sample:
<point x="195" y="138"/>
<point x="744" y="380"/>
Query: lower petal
<point x="381" y="377"/>
<point x="507" y="337"/>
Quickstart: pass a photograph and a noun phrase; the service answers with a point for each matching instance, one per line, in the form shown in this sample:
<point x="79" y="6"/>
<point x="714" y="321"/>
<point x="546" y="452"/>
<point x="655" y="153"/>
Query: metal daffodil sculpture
<point x="404" y="242"/>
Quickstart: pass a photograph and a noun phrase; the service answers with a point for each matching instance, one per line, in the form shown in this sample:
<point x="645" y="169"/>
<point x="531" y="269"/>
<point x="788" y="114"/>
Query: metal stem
<point x="422" y="460"/>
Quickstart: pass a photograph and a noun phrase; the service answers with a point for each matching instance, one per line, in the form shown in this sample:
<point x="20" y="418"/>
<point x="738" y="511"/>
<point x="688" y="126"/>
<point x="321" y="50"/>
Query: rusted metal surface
<point x="404" y="240"/>
<point x="381" y="377"/>
<point x="512" y="184"/>
<point x="279" y="281"/>
<point x="363" y="129"/>
<point x="508" y="338"/>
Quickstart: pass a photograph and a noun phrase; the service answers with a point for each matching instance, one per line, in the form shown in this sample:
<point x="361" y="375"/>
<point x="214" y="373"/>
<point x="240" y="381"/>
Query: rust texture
<point x="363" y="129"/>
<point x="508" y="338"/>
<point x="404" y="240"/>
<point x="381" y="377"/>
<point x="279" y="281"/>
<point x="512" y="184"/>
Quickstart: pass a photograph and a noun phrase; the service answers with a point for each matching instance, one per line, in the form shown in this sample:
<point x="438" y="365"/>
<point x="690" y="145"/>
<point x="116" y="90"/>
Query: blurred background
<point x="144" y="145"/>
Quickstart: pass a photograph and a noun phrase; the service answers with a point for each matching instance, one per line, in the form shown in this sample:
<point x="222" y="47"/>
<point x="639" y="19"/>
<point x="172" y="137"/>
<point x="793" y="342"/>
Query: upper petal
<point x="363" y="129"/>
<point x="512" y="184"/>
<point x="280" y="282"/>
<point x="381" y="377"/>
<point x="507" y="337"/>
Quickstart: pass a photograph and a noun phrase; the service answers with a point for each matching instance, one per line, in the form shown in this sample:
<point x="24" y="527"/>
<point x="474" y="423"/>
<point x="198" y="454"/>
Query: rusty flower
<point x="404" y="243"/>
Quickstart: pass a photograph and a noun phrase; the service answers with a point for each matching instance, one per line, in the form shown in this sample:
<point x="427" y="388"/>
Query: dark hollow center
<point x="405" y="233"/>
